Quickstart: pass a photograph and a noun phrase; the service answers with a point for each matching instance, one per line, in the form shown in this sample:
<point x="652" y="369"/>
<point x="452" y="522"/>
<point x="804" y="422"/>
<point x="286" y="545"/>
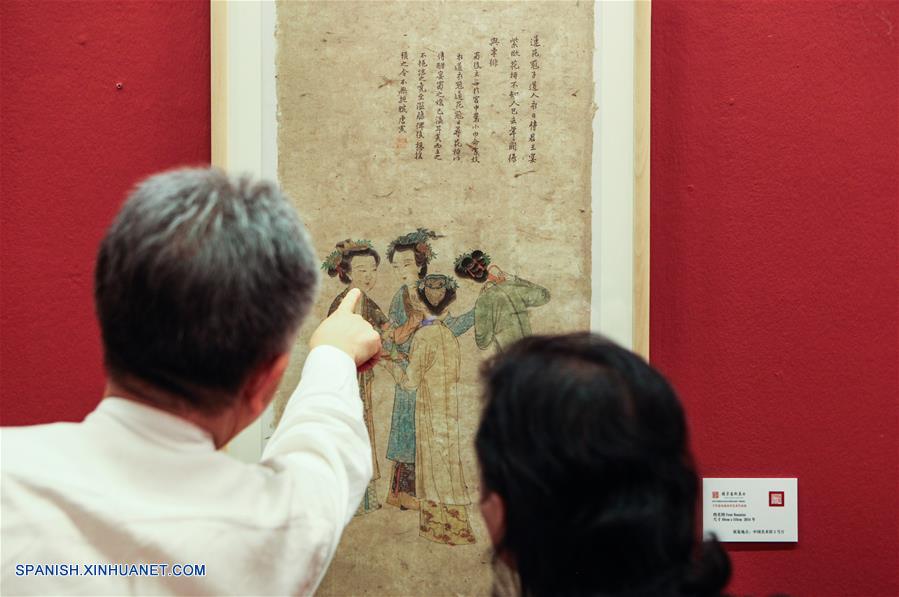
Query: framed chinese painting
<point x="480" y="171"/>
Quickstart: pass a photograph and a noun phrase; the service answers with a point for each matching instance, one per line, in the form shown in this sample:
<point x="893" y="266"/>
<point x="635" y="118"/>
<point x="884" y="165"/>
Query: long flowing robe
<point x="501" y="311"/>
<point x="371" y="313"/>
<point x="401" y="441"/>
<point x="433" y="370"/>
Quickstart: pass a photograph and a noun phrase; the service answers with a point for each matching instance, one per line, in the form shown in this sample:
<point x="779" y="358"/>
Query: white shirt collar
<point x="152" y="423"/>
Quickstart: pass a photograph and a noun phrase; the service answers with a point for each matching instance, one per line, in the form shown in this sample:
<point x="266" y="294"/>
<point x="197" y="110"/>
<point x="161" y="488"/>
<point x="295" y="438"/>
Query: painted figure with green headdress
<point x="410" y="255"/>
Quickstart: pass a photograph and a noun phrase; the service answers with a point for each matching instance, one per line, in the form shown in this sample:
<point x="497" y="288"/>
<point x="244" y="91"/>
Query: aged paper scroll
<point x="455" y="136"/>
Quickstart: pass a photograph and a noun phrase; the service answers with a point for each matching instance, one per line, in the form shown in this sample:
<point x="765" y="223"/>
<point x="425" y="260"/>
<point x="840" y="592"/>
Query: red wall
<point x="72" y="145"/>
<point x="774" y="268"/>
<point x="774" y="242"/>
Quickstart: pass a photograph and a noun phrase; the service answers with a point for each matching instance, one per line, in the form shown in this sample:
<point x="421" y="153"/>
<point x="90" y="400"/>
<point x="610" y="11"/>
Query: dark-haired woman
<point x="410" y="255"/>
<point x="355" y="263"/>
<point x="588" y="486"/>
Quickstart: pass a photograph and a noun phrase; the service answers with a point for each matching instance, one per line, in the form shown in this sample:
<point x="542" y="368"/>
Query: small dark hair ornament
<point x="339" y="261"/>
<point x="437" y="291"/>
<point x="473" y="265"/>
<point x="418" y="243"/>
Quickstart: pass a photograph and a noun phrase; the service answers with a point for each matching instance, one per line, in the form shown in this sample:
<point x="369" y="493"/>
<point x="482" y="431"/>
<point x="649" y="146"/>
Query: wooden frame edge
<point x="218" y="63"/>
<point x="218" y="90"/>
<point x="642" y="54"/>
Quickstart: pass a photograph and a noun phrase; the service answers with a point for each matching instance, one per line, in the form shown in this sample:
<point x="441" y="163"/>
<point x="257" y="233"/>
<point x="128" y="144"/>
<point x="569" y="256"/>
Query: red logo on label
<point x="714" y="494"/>
<point x="776" y="499"/>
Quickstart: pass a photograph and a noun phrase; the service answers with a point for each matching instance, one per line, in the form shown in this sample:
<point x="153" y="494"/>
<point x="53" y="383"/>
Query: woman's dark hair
<point x="473" y="265"/>
<point x="437" y="282"/>
<point x="418" y="243"/>
<point x="586" y="444"/>
<point x="344" y="267"/>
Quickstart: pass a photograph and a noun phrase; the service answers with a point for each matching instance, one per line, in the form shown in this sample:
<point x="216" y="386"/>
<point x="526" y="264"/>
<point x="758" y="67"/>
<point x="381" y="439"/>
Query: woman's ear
<point x="493" y="509"/>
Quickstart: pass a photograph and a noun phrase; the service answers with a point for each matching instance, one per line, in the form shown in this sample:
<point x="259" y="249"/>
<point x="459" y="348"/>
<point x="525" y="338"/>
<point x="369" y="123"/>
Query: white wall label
<point x="751" y="509"/>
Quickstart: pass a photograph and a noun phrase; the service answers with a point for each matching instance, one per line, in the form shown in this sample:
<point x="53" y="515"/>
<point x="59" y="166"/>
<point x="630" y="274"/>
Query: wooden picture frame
<point x="244" y="138"/>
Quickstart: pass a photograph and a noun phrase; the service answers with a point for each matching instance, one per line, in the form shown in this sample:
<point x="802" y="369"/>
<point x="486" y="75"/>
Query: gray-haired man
<point x="201" y="284"/>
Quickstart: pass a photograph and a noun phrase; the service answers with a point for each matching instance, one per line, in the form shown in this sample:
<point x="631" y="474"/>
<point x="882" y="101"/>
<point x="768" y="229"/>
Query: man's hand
<point x="347" y="331"/>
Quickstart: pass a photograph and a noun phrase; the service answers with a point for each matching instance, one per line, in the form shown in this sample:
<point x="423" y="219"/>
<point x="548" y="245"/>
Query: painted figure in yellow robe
<point x="410" y="255"/>
<point x="355" y="263"/>
<point x="433" y="371"/>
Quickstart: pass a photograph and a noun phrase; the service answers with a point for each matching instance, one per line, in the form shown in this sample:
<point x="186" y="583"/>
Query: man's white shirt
<point x="132" y="485"/>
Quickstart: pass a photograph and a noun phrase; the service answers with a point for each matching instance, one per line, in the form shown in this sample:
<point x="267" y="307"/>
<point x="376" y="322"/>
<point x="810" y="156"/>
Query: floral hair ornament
<point x="436" y="282"/>
<point x="334" y="262"/>
<point x="418" y="240"/>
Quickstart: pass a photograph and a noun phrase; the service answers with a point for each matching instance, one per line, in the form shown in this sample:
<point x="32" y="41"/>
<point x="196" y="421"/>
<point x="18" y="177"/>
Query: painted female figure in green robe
<point x="501" y="311"/>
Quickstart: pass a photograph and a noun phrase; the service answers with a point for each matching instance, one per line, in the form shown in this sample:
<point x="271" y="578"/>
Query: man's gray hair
<point x="201" y="278"/>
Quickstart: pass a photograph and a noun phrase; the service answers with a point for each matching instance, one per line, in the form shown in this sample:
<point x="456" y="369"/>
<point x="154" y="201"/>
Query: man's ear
<point x="260" y="387"/>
